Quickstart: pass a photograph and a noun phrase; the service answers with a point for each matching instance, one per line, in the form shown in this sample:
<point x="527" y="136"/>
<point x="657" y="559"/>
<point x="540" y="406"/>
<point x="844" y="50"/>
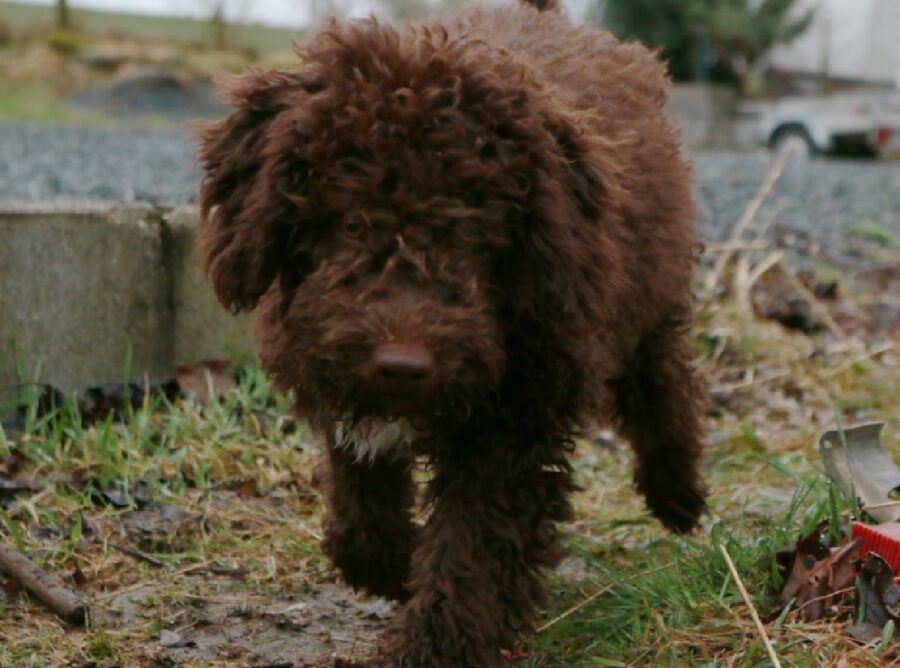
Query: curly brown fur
<point x="467" y="238"/>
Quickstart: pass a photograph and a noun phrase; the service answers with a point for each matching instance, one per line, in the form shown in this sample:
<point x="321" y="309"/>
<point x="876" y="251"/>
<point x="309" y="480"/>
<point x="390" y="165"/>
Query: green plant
<point x="707" y="39"/>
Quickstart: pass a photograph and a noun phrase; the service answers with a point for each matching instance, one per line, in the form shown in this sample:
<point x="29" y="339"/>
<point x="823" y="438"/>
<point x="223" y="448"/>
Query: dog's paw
<point x="680" y="509"/>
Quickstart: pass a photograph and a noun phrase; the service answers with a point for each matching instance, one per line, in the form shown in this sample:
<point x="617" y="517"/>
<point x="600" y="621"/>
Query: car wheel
<point x="795" y="137"/>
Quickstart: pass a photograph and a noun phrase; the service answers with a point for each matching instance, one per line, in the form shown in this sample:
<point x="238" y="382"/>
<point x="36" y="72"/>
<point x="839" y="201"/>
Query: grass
<point x="666" y="601"/>
<point x="259" y="38"/>
<point x="42" y="68"/>
<point x="869" y="231"/>
<point x="172" y="458"/>
<point x="224" y="524"/>
<point x="40" y="102"/>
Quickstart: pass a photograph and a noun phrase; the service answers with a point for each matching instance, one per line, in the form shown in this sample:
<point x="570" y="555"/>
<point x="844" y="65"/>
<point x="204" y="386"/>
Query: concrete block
<point x="78" y="289"/>
<point x="81" y="286"/>
<point x="202" y="328"/>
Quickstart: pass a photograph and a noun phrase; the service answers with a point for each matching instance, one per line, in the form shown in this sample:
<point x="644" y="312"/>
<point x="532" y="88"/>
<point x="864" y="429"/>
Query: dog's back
<point x="615" y="94"/>
<point x="621" y="85"/>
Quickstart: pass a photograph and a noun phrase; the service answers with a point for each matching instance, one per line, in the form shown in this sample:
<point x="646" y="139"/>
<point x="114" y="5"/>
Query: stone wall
<point x="87" y="292"/>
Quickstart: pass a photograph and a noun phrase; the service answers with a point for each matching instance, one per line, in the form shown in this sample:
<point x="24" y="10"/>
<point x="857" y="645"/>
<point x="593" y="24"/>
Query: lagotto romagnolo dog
<point x="468" y="239"/>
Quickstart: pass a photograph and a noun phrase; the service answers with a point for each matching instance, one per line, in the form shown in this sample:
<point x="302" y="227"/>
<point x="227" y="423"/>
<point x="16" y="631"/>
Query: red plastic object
<point x="883" y="539"/>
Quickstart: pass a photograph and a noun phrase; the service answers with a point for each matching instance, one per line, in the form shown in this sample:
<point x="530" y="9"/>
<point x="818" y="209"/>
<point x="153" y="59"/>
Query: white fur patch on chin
<point x="373" y="438"/>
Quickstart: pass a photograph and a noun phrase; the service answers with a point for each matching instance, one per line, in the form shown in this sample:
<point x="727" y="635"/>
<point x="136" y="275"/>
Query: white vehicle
<point x="849" y="124"/>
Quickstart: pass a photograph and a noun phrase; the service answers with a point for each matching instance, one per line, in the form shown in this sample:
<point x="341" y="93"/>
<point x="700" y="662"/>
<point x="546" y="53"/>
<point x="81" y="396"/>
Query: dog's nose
<point x="403" y="363"/>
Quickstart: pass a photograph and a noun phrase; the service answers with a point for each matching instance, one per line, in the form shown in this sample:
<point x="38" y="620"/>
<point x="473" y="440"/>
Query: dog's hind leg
<point x="659" y="403"/>
<point x="475" y="583"/>
<point x="368" y="526"/>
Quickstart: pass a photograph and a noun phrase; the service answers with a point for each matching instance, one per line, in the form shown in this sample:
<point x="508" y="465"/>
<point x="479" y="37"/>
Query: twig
<point x="310" y="532"/>
<point x="137" y="554"/>
<point x="876" y="506"/>
<point x="759" y="380"/>
<point x="745" y="276"/>
<point x="770" y="219"/>
<point x="874" y="352"/>
<point x="741" y="284"/>
<point x="600" y="592"/>
<point x="832" y="594"/>
<point x="753" y="613"/>
<point x="747" y="384"/>
<point x="720" y="349"/>
<point x="734" y="246"/>
<point x="193" y="568"/>
<point x="48" y="588"/>
<point x="574" y="608"/>
<point x="764" y="265"/>
<point x="749" y="214"/>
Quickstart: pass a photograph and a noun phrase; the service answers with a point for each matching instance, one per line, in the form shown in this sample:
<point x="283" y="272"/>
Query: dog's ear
<point x="246" y="220"/>
<point x="563" y="235"/>
<point x="579" y="166"/>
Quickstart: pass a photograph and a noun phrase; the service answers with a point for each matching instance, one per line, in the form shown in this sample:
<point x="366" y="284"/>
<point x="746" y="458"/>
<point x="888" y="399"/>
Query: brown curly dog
<point x="469" y="239"/>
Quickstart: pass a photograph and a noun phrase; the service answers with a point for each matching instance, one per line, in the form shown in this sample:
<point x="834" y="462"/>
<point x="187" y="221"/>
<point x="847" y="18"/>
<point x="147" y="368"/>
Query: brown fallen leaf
<point x="12" y="463"/>
<point x="786" y="308"/>
<point x="201" y="382"/>
<point x="247" y="489"/>
<point x="819" y="575"/>
<point x="206" y="380"/>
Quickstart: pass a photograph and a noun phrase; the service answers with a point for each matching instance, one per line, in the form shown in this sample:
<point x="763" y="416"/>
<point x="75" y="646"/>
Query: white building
<point x="855" y="40"/>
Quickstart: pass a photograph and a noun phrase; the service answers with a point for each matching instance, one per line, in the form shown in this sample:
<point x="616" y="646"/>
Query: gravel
<point x="826" y="203"/>
<point x="63" y="164"/>
<point x="822" y="207"/>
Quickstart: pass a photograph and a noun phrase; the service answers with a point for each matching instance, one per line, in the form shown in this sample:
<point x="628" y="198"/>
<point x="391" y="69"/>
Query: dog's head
<point x="408" y="212"/>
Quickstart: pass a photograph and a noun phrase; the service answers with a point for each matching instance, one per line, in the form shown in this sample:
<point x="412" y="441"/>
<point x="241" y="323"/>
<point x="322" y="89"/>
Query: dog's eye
<point x="353" y="226"/>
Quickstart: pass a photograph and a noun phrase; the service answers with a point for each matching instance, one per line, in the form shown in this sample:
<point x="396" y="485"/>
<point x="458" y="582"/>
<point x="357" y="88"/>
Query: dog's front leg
<point x="476" y="586"/>
<point x="368" y="526"/>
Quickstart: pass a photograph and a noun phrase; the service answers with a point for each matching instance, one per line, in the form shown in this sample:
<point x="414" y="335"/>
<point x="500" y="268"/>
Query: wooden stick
<point x="770" y="219"/>
<point x="747" y="384"/>
<point x="876" y="506"/>
<point x="759" y="270"/>
<point x="746" y="276"/>
<point x="733" y="246"/>
<point x="874" y="352"/>
<point x="749" y="602"/>
<point x="600" y="592"/>
<point x="193" y="568"/>
<point x="574" y="608"/>
<point x="137" y="554"/>
<point x="741" y="284"/>
<point x="47" y="588"/>
<point x="750" y="212"/>
<point x="836" y="592"/>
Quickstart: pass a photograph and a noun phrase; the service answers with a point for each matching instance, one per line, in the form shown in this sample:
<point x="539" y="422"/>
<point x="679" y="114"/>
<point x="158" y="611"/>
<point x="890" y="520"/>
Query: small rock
<point x="170" y="639"/>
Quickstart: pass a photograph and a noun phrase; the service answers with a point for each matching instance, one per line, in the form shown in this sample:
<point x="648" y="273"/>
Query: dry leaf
<point x="819" y="575"/>
<point x="879" y="595"/>
<point x="206" y="380"/>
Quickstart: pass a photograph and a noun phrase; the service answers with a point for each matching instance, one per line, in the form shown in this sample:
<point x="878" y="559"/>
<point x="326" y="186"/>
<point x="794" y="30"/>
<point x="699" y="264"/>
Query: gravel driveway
<point x="826" y="202"/>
